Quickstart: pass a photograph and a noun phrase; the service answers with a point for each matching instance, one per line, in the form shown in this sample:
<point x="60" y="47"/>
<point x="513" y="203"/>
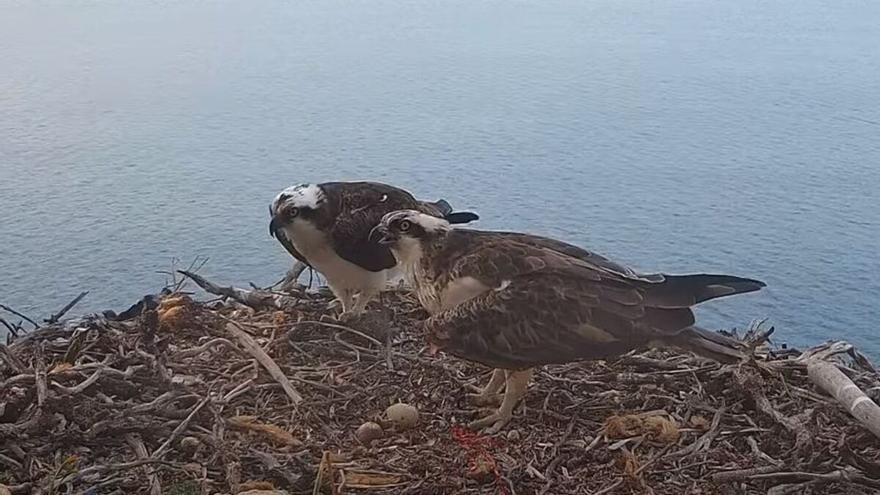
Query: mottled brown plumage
<point x="514" y="301"/>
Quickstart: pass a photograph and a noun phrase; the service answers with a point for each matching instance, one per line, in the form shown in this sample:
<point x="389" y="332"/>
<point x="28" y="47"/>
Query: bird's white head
<point x="297" y="203"/>
<point x="405" y="232"/>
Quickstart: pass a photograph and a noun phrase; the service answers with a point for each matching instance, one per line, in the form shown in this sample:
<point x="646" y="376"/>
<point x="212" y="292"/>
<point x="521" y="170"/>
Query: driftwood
<point x="173" y="398"/>
<point x="830" y="379"/>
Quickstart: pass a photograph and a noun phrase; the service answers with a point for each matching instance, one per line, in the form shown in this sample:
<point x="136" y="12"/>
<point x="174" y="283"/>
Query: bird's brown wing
<point x="662" y="290"/>
<point x="360" y="206"/>
<point x="549" y="318"/>
<point x="597" y="260"/>
<point x="546" y="307"/>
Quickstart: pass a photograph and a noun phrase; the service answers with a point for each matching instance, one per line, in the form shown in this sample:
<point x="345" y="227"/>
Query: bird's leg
<point x="345" y="297"/>
<point x="358" y="305"/>
<point x="364" y="297"/>
<point x="516" y="384"/>
<point x="488" y="395"/>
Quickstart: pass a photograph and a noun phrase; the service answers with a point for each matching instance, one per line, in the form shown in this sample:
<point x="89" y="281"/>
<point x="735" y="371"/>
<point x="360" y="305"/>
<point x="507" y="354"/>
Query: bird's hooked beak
<point x="381" y="235"/>
<point x="275" y="224"/>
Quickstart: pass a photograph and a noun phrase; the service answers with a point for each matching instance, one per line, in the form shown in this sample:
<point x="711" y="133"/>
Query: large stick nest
<point x="167" y="398"/>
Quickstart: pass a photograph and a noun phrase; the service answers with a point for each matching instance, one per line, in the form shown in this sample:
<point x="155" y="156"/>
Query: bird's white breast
<point x="461" y="290"/>
<point x="340" y="273"/>
<point x="436" y="299"/>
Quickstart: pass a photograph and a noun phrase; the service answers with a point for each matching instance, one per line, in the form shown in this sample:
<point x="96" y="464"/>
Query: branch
<point x="57" y="316"/>
<point x="254" y="349"/>
<point x="830" y="379"/>
<point x="140" y="451"/>
<point x="16" y="313"/>
<point x="256" y="299"/>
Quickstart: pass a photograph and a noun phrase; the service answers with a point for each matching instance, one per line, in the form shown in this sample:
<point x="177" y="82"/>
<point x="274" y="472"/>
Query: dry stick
<point x="140" y="450"/>
<point x="16" y="313"/>
<point x="40" y="375"/>
<point x="830" y="379"/>
<point x="316" y="488"/>
<point x="742" y="474"/>
<point x="109" y="468"/>
<point x="88" y="382"/>
<point x="11" y="329"/>
<point x="555" y="458"/>
<point x="7" y="357"/>
<point x="704" y="441"/>
<point x="254" y="349"/>
<point x="254" y="299"/>
<point x="610" y="488"/>
<point x="841" y="476"/>
<point x="195" y="351"/>
<point x="341" y="327"/>
<point x="180" y="429"/>
<point x="794" y="425"/>
<point x="57" y="316"/>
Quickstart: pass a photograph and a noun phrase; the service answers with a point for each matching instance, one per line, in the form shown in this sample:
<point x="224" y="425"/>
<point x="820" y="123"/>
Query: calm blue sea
<point x="735" y="136"/>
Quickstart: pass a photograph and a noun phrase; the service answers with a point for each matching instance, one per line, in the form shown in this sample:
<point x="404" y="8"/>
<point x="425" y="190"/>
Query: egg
<point x="368" y="432"/>
<point x="402" y="416"/>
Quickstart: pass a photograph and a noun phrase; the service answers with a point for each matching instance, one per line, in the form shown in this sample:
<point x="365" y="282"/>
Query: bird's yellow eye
<point x="405" y="225"/>
<point x="293" y="212"/>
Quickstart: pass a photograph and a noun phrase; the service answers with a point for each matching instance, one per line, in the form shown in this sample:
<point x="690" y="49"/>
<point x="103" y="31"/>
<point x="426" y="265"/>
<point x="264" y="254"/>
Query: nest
<point x="261" y="392"/>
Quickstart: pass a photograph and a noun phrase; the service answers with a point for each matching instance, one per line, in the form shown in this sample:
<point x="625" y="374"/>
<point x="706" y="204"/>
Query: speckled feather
<point x="555" y="307"/>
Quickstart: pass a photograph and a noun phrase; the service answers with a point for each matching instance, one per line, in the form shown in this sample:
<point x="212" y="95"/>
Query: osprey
<point x="327" y="226"/>
<point x="515" y="301"/>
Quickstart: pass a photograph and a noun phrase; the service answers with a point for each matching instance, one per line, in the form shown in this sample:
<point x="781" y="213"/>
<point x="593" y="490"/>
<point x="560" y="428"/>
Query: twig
<point x="254" y="349"/>
<point x="11" y="361"/>
<point x="57" y="316"/>
<point x="752" y="384"/>
<point x="88" y="382"/>
<point x="341" y="327"/>
<point x="109" y="468"/>
<point x="742" y="474"/>
<point x="253" y="298"/>
<point x="16" y="313"/>
<point x="704" y="441"/>
<point x="40" y="375"/>
<point x="140" y="451"/>
<point x="843" y="476"/>
<point x="610" y="488"/>
<point x="12" y="329"/>
<point x="158" y="453"/>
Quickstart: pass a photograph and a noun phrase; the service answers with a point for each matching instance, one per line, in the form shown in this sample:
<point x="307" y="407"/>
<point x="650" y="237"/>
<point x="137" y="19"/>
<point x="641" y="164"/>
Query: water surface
<point x="735" y="136"/>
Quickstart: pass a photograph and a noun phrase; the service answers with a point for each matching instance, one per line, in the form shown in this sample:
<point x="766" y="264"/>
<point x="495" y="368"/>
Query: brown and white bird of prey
<point x="515" y="301"/>
<point x="327" y="227"/>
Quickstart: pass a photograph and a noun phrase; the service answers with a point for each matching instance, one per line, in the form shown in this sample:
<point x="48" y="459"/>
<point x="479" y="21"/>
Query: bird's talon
<point x="491" y="424"/>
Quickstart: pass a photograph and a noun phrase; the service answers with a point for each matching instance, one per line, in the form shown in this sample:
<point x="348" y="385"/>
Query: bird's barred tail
<point x="710" y="344"/>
